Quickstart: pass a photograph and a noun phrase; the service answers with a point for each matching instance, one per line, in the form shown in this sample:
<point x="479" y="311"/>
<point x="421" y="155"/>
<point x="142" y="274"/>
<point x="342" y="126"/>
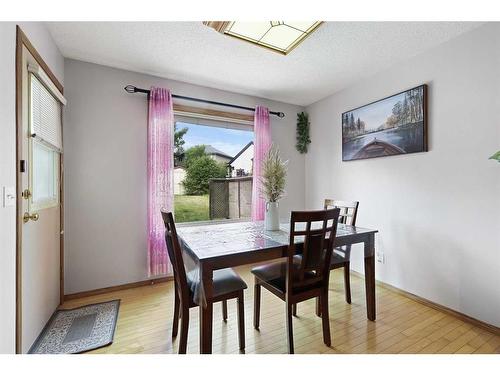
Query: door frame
<point x="23" y="41"/>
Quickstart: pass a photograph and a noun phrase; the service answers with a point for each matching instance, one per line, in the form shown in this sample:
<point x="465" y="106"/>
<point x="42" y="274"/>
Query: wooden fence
<point x="230" y="198"/>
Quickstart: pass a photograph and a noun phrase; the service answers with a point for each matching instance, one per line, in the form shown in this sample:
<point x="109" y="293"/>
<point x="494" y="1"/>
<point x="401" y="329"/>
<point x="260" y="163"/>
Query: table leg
<point x="206" y="311"/>
<point x="370" y="277"/>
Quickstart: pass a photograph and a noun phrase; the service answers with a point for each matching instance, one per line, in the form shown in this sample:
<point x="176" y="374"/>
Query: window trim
<point x="212" y="114"/>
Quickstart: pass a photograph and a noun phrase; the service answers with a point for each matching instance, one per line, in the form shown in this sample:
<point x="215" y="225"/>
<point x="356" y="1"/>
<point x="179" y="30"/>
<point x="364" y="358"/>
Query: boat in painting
<point x="378" y="148"/>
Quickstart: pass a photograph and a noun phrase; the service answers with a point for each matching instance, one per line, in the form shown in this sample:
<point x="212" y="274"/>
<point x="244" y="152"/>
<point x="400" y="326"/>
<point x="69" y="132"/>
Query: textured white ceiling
<point x="335" y="56"/>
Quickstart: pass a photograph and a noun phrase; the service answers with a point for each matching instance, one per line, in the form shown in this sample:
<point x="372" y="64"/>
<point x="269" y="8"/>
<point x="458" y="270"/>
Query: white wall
<point x="7" y="178"/>
<point x="438" y="212"/>
<point x="244" y="161"/>
<point x="105" y="166"/>
<point x="41" y="39"/>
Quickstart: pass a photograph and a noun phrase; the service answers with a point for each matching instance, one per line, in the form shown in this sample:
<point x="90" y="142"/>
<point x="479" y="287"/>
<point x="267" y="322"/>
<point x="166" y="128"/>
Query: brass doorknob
<point x="27" y="217"/>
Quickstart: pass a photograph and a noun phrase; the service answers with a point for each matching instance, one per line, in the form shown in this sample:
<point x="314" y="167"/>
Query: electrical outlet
<point x="380" y="257"/>
<point x="9" y="196"/>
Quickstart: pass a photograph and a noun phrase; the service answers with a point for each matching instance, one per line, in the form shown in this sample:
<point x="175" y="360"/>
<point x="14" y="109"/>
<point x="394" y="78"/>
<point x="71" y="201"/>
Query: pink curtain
<point x="160" y="176"/>
<point x="262" y="143"/>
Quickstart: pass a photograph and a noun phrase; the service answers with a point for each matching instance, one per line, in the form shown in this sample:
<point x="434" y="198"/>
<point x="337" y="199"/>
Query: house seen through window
<point x="213" y="171"/>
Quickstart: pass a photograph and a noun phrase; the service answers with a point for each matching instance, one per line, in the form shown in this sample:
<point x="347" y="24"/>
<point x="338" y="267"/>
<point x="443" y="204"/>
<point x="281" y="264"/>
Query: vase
<point x="272" y="217"/>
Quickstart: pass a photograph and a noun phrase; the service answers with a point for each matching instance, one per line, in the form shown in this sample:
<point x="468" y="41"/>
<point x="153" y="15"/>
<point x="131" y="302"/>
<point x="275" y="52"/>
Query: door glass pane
<point x="44" y="175"/>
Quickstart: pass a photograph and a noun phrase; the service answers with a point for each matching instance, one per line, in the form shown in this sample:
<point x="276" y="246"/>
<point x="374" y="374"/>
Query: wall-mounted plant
<point x="496" y="156"/>
<point x="303" y="138"/>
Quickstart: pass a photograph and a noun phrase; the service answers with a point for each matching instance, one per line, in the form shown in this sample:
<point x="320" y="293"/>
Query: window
<point x="213" y="170"/>
<point x="45" y="145"/>
<point x="45" y="184"/>
<point x="279" y="36"/>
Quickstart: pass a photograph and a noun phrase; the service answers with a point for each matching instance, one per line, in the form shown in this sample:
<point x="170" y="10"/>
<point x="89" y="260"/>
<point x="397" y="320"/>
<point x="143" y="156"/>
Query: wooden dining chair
<point x="341" y="256"/>
<point x="226" y="285"/>
<point x="303" y="276"/>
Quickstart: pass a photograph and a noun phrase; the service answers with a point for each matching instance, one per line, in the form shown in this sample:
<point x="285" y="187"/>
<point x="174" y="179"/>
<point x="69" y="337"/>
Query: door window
<point x="45" y="145"/>
<point x="45" y="184"/>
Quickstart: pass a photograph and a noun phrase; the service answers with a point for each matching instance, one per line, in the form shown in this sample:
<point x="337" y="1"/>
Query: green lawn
<point x="191" y="208"/>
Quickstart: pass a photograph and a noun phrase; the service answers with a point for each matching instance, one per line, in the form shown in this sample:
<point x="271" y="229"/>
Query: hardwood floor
<point x="402" y="326"/>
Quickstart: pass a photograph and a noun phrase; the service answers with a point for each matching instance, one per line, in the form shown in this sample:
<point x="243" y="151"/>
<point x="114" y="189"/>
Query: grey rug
<point x="78" y="330"/>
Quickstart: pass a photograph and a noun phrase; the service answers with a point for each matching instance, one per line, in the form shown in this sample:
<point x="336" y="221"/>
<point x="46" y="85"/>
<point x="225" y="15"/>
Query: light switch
<point x="9" y="196"/>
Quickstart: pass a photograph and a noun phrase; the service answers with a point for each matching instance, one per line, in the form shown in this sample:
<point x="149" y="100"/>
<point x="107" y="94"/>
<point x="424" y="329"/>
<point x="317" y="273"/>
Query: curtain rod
<point x="132" y="89"/>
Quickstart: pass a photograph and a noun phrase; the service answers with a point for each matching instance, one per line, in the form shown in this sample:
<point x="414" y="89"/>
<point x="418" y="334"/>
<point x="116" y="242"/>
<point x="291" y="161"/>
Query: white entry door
<point x="40" y="155"/>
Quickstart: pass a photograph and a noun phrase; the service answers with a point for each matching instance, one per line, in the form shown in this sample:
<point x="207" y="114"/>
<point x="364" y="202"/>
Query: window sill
<point x="211" y="222"/>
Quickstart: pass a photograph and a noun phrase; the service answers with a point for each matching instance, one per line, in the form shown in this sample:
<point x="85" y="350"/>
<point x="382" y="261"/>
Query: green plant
<point x="179" y="145"/>
<point x="496" y="156"/>
<point x="193" y="153"/>
<point x="273" y="175"/>
<point x="303" y="138"/>
<point x="199" y="172"/>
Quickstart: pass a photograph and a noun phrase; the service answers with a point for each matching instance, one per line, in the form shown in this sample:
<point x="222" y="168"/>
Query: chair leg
<point x="294" y="309"/>
<point x="175" y="326"/>
<point x="347" y="283"/>
<point x="289" y="327"/>
<point x="325" y="318"/>
<point x="184" y="331"/>
<point x="224" y="310"/>
<point x="241" y="321"/>
<point x="318" y="306"/>
<point x="256" y="305"/>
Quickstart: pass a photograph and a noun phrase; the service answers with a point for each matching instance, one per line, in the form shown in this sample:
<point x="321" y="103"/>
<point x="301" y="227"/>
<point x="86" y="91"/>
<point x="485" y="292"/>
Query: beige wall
<point x="438" y="212"/>
<point x="105" y="157"/>
<point x="41" y="39"/>
<point x="179" y="176"/>
<point x="219" y="159"/>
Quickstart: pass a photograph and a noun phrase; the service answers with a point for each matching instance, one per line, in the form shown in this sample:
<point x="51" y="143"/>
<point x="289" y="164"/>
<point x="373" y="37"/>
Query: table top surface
<point x="209" y="240"/>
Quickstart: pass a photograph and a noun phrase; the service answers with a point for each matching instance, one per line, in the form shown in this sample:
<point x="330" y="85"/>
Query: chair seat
<point x="225" y="281"/>
<point x="274" y="274"/>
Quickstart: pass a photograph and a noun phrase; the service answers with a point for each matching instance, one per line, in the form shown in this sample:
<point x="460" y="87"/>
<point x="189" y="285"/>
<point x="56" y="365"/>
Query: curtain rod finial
<point x="281" y="114"/>
<point x="130" y="89"/>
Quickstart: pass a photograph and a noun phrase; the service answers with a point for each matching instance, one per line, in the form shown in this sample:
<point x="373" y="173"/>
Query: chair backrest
<point x="175" y="255"/>
<point x="318" y="229"/>
<point x="348" y="210"/>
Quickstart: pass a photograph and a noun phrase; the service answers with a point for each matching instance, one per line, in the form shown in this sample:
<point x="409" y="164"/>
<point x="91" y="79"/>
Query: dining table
<point x="210" y="246"/>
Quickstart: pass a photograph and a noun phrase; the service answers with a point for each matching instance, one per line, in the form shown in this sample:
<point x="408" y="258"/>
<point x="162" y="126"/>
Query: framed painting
<point x="391" y="126"/>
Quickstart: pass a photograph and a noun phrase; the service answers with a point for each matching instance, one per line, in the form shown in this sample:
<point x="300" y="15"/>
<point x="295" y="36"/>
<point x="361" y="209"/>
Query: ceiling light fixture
<point x="279" y="36"/>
